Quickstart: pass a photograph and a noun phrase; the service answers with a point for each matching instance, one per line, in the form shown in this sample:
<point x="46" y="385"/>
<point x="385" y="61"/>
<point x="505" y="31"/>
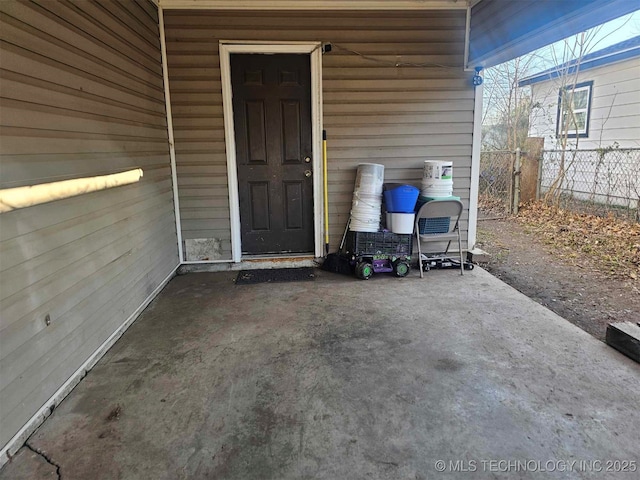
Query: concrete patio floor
<point x="345" y="379"/>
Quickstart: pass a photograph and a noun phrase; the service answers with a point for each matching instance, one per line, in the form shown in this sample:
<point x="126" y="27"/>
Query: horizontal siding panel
<point x="110" y="31"/>
<point x="24" y="302"/>
<point x="215" y="159"/>
<point x="59" y="211"/>
<point x="204" y="202"/>
<point x="401" y="151"/>
<point x="58" y="258"/>
<point x="332" y="20"/>
<point x="203" y="168"/>
<point x="82" y="95"/>
<point x="620" y="111"/>
<point x="385" y="73"/>
<point x="373" y="110"/>
<point x="392" y="96"/>
<point x="406" y="141"/>
<point x="404" y="85"/>
<point x="54" y="295"/>
<point x="299" y="34"/>
<point x="35" y="116"/>
<point x="66" y="54"/>
<point x="205" y="224"/>
<point x="372" y="47"/>
<point x="50" y="370"/>
<point x="16" y="87"/>
<point x="17" y="141"/>
<point x="44" y="20"/>
<point x="398" y="129"/>
<point x="386" y="108"/>
<point x="127" y="13"/>
<point x="20" y="60"/>
<point x="415" y="119"/>
<point x="51" y="232"/>
<point x="202" y="135"/>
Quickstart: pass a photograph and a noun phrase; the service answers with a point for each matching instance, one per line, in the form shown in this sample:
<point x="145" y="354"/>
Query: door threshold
<point x="275" y="257"/>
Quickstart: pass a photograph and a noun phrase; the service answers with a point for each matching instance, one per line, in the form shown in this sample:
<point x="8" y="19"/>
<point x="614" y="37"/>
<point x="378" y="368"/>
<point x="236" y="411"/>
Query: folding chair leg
<point x="419" y="254"/>
<point x="460" y="251"/>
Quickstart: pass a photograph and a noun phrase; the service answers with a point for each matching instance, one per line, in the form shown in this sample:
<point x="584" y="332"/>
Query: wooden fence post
<point x="517" y="165"/>
<point x="531" y="169"/>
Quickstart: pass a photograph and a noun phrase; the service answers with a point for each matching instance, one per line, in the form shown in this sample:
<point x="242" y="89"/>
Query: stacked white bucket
<point x="367" y="198"/>
<point x="437" y="179"/>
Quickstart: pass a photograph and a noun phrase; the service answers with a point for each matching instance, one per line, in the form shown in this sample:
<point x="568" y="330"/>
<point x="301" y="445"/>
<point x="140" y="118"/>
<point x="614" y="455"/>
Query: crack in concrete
<point x="46" y="458"/>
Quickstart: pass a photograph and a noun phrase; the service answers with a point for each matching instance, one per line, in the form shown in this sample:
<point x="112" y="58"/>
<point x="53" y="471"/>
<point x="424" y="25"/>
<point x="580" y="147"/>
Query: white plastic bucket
<point x="359" y="224"/>
<point x="438" y="170"/>
<point x="369" y="178"/>
<point x="402" y="222"/>
<point x="437" y="191"/>
<point x="367" y="198"/>
<point x="437" y="179"/>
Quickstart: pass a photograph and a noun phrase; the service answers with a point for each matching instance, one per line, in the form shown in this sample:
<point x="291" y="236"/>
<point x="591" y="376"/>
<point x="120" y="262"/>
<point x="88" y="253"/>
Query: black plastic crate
<point x="378" y="243"/>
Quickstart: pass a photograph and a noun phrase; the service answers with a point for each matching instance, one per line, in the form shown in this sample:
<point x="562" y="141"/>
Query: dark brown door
<point x="272" y="120"/>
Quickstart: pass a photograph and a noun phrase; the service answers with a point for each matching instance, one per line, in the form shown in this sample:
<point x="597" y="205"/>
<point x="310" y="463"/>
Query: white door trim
<point x="315" y="50"/>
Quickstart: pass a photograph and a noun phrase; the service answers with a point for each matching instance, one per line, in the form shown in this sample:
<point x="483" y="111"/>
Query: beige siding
<point x="373" y="110"/>
<point x="615" y="107"/>
<point x="81" y="95"/>
<point x="314" y="4"/>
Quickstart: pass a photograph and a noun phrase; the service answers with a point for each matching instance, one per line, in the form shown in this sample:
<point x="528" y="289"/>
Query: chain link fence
<point x="598" y="181"/>
<point x="495" y="181"/>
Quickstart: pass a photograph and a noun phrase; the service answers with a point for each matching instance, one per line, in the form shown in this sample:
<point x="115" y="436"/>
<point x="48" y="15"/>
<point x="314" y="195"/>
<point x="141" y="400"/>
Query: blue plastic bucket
<point x="401" y="199"/>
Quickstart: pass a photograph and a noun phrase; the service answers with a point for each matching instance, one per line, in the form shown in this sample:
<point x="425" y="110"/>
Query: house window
<point x="574" y="109"/>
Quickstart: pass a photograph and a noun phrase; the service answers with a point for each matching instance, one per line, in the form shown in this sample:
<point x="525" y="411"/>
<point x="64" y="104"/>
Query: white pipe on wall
<point x="31" y="195"/>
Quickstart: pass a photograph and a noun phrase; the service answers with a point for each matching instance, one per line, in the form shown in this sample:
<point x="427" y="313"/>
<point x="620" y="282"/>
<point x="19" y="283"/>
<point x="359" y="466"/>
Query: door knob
<point x="307" y="159"/>
<point x="307" y="173"/>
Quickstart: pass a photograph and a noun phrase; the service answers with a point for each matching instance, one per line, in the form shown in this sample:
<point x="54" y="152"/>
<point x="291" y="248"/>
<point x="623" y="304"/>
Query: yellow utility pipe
<point x="326" y="192"/>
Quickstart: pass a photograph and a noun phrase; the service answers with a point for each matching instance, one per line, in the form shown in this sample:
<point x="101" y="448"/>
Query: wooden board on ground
<point x="625" y="337"/>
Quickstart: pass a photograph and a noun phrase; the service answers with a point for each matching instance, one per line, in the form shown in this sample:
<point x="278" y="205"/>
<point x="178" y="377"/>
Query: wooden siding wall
<point x="373" y="110"/>
<point x="81" y="95"/>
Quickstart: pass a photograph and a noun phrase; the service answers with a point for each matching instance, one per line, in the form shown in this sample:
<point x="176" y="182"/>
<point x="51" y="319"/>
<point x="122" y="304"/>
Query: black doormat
<point x="276" y="275"/>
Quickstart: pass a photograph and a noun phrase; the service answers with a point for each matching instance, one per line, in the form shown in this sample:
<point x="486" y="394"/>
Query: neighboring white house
<point x="593" y="111"/>
<point x="606" y="99"/>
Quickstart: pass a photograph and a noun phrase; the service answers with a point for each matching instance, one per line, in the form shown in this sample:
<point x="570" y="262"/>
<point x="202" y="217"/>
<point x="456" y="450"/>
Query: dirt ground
<point x="577" y="291"/>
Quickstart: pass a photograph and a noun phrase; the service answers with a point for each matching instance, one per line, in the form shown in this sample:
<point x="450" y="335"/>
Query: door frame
<point x="314" y="50"/>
